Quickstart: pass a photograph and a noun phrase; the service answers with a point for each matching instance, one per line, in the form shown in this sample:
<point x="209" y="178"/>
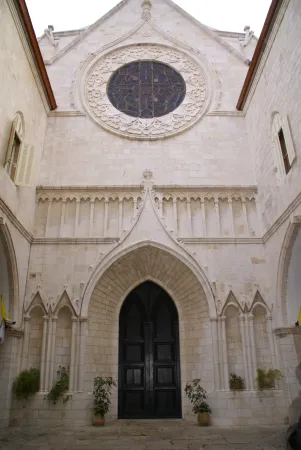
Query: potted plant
<point x="26" y="384"/>
<point x="60" y="387"/>
<point x="266" y="378"/>
<point x="101" y="403"/>
<point x="236" y="382"/>
<point x="197" y="395"/>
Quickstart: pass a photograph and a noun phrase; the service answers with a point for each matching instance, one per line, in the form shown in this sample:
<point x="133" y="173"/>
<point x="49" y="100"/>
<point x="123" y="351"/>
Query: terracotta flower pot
<point x="98" y="420"/>
<point x="204" y="419"/>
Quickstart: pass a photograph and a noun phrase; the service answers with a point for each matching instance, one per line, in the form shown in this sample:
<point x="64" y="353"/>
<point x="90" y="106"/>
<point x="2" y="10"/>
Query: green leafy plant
<point x="236" y="382"/>
<point x="266" y="378"/>
<point x="197" y="395"/>
<point x="26" y="384"/>
<point x="102" y="392"/>
<point x="60" y="387"/>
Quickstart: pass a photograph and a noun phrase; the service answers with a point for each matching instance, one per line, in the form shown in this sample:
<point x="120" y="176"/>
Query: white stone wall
<point x="20" y="94"/>
<point x="277" y="90"/>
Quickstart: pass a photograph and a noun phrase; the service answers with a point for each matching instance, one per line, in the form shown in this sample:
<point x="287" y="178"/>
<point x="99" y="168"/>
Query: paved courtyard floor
<point x="144" y="435"/>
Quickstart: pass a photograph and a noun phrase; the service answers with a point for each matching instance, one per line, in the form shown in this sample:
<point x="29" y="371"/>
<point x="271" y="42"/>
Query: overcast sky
<point x="230" y="15"/>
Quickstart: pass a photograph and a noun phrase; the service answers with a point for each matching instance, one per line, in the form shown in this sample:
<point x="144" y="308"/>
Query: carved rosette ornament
<point x="105" y="114"/>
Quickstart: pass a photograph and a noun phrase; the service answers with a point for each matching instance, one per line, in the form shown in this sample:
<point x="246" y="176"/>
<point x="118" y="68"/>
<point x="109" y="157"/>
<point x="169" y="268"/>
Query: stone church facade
<point x="151" y="157"/>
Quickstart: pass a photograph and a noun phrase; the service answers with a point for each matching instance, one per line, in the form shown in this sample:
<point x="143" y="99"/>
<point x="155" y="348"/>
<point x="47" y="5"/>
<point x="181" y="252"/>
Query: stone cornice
<point x="67" y="113"/>
<point x="286" y="331"/>
<point x="226" y="113"/>
<point x="204" y="188"/>
<point x="221" y="240"/>
<point x="13" y="219"/>
<point x="83" y="241"/>
<point x="115" y="187"/>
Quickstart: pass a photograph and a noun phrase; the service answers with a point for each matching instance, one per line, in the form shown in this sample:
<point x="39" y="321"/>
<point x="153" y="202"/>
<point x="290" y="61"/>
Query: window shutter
<point x="288" y="140"/>
<point x="29" y="165"/>
<point x="10" y="144"/>
<point x="22" y="165"/>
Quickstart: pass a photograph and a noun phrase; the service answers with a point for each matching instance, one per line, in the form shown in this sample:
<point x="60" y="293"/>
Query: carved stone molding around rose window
<point x="192" y="108"/>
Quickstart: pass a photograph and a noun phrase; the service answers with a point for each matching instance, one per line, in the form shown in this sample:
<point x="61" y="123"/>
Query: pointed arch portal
<point x="149" y="365"/>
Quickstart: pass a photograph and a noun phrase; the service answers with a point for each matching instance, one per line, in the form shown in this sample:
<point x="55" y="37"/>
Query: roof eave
<point x="259" y="50"/>
<point x="32" y="40"/>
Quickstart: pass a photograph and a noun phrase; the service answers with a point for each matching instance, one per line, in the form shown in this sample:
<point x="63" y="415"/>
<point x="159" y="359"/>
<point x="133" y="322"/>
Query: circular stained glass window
<point x="146" y="89"/>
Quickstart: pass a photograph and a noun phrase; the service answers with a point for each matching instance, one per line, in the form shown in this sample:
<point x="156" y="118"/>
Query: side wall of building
<point x="19" y="93"/>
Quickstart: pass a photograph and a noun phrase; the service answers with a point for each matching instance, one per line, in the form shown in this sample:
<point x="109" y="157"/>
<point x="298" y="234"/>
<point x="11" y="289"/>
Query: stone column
<point x="203" y="211"/>
<point x="215" y="352"/>
<point x="189" y="216"/>
<point x="175" y="216"/>
<point x="91" y="220"/>
<point x="135" y="208"/>
<point x="105" y="223"/>
<point x="220" y="352"/>
<point x="52" y="358"/>
<point x="218" y="225"/>
<point x="48" y="355"/>
<point x="43" y="353"/>
<point x="82" y="352"/>
<point x="120" y="221"/>
<point x="252" y="350"/>
<point x="48" y="217"/>
<point x="25" y="342"/>
<point x="161" y="207"/>
<point x="271" y="340"/>
<point x="225" y="354"/>
<point x="245" y="217"/>
<point x="231" y="218"/>
<point x="62" y="222"/>
<point x="73" y="352"/>
<point x="248" y="351"/>
<point x="244" y="348"/>
<point x="76" y="217"/>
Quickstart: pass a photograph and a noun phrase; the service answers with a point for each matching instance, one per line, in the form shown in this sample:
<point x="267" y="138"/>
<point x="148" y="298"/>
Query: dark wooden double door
<point x="149" y="372"/>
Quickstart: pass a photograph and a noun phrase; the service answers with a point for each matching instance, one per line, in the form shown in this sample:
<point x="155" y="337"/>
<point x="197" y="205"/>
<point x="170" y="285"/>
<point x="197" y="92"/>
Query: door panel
<point x="149" y="375"/>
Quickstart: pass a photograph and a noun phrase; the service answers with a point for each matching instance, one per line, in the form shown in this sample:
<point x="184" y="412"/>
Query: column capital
<point x="213" y="319"/>
<point x="174" y="200"/>
<point x="83" y="319"/>
<point x="223" y="318"/>
<point x="250" y="317"/>
<point x="45" y="318"/>
<point x="27" y="318"/>
<point x="229" y="200"/>
<point x="242" y="316"/>
<point x="54" y="318"/>
<point x="74" y="319"/>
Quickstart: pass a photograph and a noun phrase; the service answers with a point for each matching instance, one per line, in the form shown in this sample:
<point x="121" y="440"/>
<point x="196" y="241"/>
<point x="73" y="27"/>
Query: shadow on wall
<point x="295" y="407"/>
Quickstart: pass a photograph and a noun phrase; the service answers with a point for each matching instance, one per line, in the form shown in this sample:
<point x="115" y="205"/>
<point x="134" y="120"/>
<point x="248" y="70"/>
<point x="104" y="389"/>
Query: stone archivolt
<point x="103" y="112"/>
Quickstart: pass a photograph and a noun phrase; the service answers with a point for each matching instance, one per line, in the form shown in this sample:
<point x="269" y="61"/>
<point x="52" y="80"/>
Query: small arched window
<point x="19" y="155"/>
<point x="283" y="143"/>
